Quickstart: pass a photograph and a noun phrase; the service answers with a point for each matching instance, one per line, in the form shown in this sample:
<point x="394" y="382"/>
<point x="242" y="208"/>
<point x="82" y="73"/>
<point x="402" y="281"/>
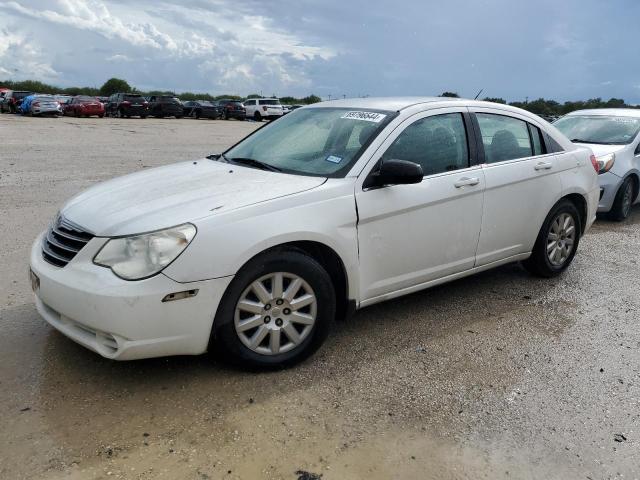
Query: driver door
<point x="410" y="235"/>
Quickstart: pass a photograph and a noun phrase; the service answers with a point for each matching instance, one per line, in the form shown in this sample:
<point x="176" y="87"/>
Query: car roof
<point x="383" y="103"/>
<point x="618" y="112"/>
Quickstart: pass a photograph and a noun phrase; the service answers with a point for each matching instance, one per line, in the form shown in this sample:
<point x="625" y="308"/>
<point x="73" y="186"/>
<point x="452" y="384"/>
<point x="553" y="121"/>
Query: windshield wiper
<point x="251" y="162"/>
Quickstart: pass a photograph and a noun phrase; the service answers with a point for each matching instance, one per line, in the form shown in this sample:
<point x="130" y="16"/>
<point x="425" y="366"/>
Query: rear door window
<point x="537" y="141"/>
<point x="504" y="138"/>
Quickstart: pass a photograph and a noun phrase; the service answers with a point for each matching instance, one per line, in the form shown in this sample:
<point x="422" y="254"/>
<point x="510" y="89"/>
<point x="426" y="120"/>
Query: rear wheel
<point x="276" y="312"/>
<point x="557" y="241"/>
<point x="623" y="201"/>
<point x="257" y="117"/>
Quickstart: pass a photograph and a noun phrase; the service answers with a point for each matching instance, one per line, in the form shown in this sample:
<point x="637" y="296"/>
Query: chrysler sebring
<point x="253" y="252"/>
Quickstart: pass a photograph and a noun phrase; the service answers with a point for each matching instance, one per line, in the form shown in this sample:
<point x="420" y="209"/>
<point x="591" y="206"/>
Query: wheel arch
<point x="330" y="261"/>
<point x="635" y="177"/>
<point x="581" y="204"/>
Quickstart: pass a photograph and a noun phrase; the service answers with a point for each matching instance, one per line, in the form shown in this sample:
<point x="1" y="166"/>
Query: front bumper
<point x="119" y="319"/>
<point x="609" y="185"/>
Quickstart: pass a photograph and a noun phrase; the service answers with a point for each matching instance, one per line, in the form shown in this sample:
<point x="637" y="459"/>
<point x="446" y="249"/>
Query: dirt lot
<point x="497" y="376"/>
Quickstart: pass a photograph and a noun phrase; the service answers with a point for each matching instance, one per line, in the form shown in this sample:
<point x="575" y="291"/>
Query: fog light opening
<point x="179" y="295"/>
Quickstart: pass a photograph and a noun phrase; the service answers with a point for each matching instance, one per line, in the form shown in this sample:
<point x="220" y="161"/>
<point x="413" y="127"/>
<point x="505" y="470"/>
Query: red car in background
<point x="83" y="106"/>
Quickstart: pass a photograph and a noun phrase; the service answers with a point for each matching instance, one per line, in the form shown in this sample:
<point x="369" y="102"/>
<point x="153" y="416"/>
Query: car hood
<point x="600" y="149"/>
<point x="174" y="194"/>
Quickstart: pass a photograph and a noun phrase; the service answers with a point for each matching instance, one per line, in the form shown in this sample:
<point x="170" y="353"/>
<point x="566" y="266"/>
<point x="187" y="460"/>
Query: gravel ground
<point x="496" y="376"/>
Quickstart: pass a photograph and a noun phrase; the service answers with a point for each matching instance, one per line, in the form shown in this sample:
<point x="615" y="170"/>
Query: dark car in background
<point x="83" y="106"/>
<point x="165" y="106"/>
<point x="12" y="100"/>
<point x="125" y="105"/>
<point x="230" y="108"/>
<point x="201" y="109"/>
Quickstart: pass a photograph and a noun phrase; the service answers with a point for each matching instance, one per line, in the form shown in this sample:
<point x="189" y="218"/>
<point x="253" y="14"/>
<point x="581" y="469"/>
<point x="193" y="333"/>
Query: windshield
<point x="603" y="129"/>
<point x="315" y="141"/>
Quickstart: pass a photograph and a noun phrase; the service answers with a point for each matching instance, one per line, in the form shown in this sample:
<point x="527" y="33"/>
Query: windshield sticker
<point x="333" y="159"/>
<point x="366" y="116"/>
<point x="625" y="120"/>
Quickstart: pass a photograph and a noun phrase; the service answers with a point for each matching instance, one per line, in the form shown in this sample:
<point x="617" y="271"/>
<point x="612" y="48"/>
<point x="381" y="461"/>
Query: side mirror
<point x="396" y="172"/>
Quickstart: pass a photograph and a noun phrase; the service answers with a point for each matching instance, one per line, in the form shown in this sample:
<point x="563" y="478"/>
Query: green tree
<point x="450" y="94"/>
<point x="494" y="100"/>
<point x="114" y="85"/>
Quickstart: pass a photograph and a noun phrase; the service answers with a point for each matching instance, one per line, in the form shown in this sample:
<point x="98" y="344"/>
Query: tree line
<point x="552" y="108"/>
<point x="115" y="85"/>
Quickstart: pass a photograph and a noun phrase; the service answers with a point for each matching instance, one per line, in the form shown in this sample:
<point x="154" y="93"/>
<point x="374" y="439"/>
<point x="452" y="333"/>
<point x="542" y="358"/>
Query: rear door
<point x="523" y="182"/>
<point x="409" y="235"/>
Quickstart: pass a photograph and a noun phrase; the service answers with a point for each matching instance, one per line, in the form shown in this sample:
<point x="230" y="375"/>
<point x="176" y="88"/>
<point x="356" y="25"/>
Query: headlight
<point x="142" y="256"/>
<point x="605" y="162"/>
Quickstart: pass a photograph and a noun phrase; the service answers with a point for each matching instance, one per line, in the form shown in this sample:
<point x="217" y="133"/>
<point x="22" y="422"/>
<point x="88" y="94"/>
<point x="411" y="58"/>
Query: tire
<point x="198" y="114"/>
<point x="225" y="115"/>
<point x="550" y="257"/>
<point x="624" y="200"/>
<point x="257" y="117"/>
<point x="101" y="116"/>
<point x="231" y="345"/>
<point x="178" y="116"/>
<point x="143" y="116"/>
<point x="121" y="113"/>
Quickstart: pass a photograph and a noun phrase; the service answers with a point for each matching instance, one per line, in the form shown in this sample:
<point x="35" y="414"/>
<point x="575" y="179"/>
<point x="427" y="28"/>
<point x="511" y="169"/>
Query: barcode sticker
<point x="366" y="116"/>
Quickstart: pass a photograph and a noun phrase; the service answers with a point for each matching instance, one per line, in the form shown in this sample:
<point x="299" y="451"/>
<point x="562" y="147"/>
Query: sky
<point x="514" y="49"/>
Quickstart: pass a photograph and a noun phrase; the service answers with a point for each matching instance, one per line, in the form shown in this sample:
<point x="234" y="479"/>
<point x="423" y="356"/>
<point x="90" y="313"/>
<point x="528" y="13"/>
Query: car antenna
<point x="481" y="90"/>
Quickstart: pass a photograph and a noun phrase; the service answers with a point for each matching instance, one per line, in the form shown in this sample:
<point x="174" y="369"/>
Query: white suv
<point x="263" y="108"/>
<point x="252" y="253"/>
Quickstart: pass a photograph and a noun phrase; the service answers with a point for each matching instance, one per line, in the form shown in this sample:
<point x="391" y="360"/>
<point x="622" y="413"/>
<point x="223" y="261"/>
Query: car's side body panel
<point x="410" y="234"/>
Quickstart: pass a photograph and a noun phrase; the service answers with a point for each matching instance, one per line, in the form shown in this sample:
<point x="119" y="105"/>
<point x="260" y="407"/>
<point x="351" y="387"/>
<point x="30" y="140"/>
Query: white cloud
<point x="21" y="59"/>
<point x="221" y="42"/>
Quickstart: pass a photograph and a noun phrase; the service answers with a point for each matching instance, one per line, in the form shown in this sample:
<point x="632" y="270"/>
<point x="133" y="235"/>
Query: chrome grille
<point x="63" y="241"/>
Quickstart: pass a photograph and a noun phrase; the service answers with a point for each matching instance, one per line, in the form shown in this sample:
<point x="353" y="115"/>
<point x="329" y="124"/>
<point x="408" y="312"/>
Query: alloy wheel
<point x="561" y="239"/>
<point x="275" y="313"/>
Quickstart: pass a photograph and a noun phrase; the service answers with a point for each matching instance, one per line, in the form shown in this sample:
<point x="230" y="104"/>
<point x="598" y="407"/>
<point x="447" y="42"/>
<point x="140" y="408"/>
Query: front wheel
<point x="623" y="201"/>
<point x="276" y="312"/>
<point x="557" y="241"/>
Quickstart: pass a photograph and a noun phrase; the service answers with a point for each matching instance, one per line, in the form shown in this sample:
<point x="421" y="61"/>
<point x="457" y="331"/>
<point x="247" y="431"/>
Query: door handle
<point x="543" y="166"/>
<point x="466" y="182"/>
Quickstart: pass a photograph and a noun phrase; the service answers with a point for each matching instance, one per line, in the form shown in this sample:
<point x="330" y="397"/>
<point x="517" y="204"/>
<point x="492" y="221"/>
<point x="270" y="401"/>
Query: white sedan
<point x="254" y="252"/>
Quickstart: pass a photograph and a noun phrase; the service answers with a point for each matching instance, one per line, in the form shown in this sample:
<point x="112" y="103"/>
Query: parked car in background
<point x="103" y="100"/>
<point x="263" y="108"/>
<point x="125" y="105"/>
<point x="12" y="100"/>
<point x="359" y="201"/>
<point x="231" y="109"/>
<point x="200" y="109"/>
<point x="614" y="136"/>
<point x="39" y="104"/>
<point x="295" y="107"/>
<point x="83" y="106"/>
<point x="165" y="106"/>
